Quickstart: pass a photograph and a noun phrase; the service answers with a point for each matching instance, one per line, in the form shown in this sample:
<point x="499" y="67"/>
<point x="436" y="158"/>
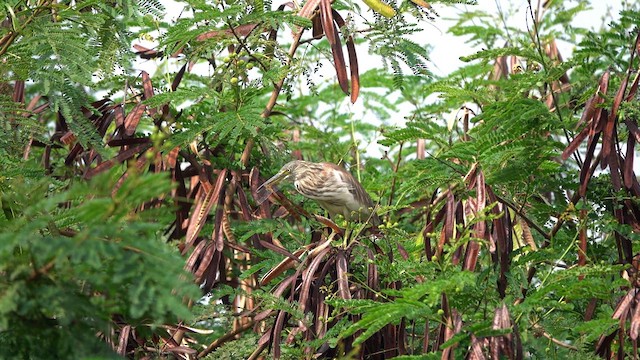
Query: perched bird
<point x="334" y="188"/>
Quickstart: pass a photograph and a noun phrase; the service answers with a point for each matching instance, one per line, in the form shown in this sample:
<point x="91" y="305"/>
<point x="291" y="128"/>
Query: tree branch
<point x="224" y="338"/>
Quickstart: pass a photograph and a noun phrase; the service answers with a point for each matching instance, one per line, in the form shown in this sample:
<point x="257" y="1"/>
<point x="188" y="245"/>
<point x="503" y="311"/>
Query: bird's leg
<point x="353" y="232"/>
<point x="347" y="234"/>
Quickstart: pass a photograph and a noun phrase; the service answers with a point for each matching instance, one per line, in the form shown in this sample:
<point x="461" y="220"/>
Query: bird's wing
<point x="355" y="188"/>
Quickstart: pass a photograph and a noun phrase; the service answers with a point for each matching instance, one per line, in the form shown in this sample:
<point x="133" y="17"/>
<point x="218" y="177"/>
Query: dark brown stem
<point x="42" y="270"/>
<point x="246" y="154"/>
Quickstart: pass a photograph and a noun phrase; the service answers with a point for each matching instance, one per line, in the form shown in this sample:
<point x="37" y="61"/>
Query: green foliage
<point x="223" y="128"/>
<point x="513" y="139"/>
<point x="63" y="48"/>
<point x="240" y="349"/>
<point x="80" y="259"/>
<point x="389" y="40"/>
<point x="75" y="259"/>
<point x="418" y="302"/>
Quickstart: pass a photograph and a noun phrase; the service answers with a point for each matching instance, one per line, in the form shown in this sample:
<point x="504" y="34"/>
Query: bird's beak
<point x="269" y="187"/>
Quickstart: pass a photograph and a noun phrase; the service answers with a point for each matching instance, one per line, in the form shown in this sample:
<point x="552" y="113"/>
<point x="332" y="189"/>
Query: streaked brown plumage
<point x="334" y="188"/>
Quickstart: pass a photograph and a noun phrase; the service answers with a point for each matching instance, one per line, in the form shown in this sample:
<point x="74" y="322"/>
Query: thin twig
<point x="221" y="340"/>
<point x="257" y="352"/>
<point x="43" y="270"/>
<point x="243" y="44"/>
<point x="536" y="39"/>
<point x="554" y="340"/>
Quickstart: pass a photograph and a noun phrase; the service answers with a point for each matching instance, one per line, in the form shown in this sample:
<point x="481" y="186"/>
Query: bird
<point x="331" y="186"/>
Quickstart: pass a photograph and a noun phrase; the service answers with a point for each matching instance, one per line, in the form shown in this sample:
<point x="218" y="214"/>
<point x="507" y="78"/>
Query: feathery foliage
<point x="132" y="222"/>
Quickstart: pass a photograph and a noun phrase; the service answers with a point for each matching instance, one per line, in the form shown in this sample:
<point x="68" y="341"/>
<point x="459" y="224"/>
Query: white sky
<point x="446" y="48"/>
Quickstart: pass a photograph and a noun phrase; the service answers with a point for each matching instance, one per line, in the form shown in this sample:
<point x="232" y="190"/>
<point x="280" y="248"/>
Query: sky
<point x="446" y="49"/>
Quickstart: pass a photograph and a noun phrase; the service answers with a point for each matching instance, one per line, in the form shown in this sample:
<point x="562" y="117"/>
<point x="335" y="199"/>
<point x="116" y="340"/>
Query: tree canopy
<point x="132" y="225"/>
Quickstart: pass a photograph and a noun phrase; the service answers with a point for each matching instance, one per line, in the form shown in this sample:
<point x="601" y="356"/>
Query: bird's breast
<point x="324" y="191"/>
